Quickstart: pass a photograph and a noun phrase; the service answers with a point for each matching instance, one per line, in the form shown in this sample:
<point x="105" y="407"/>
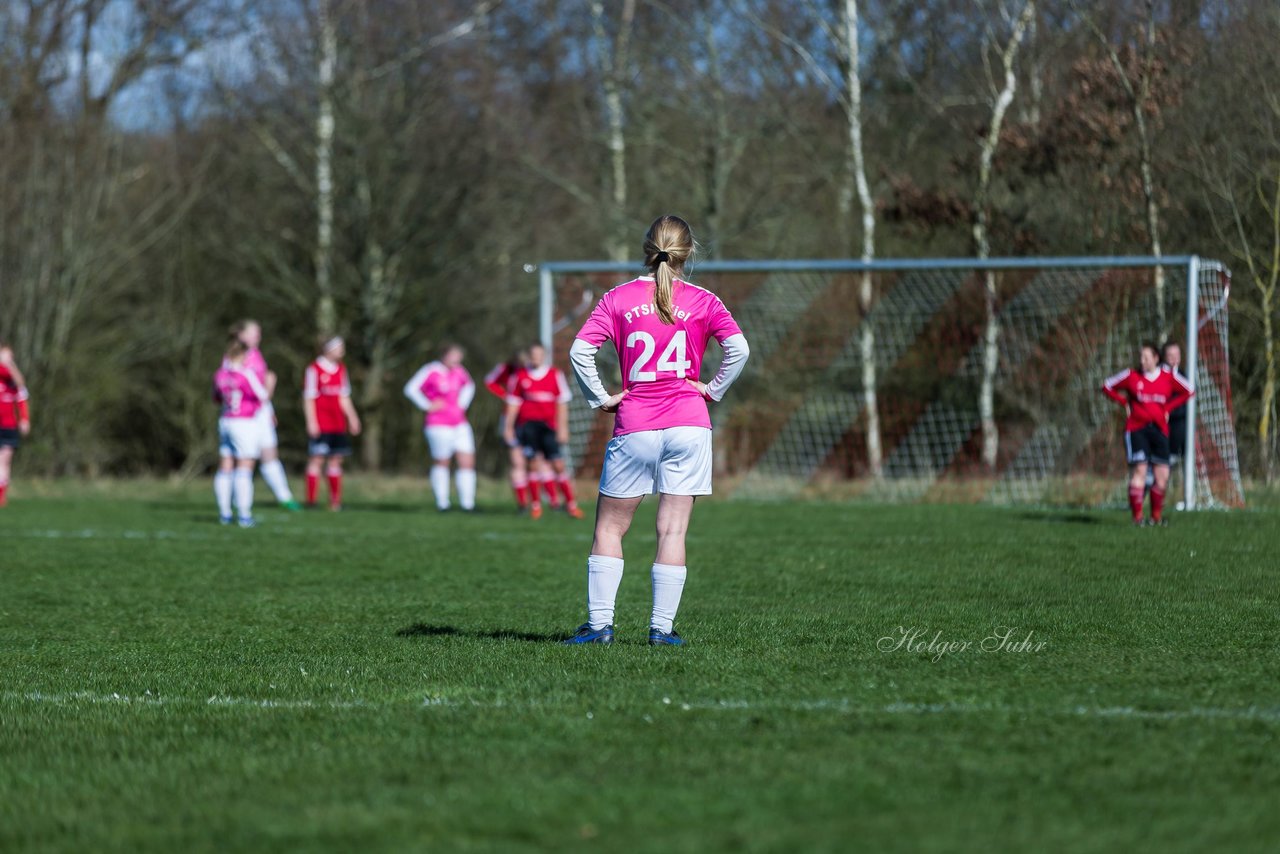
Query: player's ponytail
<point x="668" y="246"/>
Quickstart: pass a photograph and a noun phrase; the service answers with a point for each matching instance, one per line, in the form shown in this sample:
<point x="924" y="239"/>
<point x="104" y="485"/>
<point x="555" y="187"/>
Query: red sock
<point x="313" y="486"/>
<point x="566" y="487"/>
<point x="1135" y="502"/>
<point x="1157" y="503"/>
<point x="335" y="488"/>
<point x="550" y="486"/>
<point x="4" y="494"/>
<point x="522" y="494"/>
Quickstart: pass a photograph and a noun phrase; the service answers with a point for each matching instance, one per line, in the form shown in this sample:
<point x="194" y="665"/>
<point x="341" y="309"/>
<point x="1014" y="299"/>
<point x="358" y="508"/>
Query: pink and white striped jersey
<point x="452" y="387"/>
<point x="657" y="358"/>
<point x="238" y="392"/>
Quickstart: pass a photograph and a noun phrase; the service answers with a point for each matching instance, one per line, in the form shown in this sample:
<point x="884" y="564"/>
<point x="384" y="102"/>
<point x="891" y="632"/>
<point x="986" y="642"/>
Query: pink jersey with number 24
<point x="656" y="357"/>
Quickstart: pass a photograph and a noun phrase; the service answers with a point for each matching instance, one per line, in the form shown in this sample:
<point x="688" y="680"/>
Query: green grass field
<point x="386" y="679"/>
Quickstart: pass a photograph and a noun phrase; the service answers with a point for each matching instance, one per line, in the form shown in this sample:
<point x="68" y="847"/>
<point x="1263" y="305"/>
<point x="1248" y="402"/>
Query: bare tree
<point x="1002" y="98"/>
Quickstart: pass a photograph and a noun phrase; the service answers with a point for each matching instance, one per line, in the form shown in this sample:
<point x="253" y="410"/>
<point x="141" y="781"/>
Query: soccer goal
<point x="1029" y="426"/>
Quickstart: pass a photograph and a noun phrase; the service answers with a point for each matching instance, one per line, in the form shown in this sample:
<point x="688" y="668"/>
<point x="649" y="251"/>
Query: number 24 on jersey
<point x="673" y="357"/>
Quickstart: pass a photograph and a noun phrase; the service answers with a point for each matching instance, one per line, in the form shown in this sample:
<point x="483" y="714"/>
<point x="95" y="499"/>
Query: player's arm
<point x="509" y="419"/>
<point x="1182" y="392"/>
<point x="496" y="381"/>
<point x="563" y="396"/>
<point x="413" y="389"/>
<point x="1112" y="385"/>
<point x="269" y="383"/>
<point x="349" y="410"/>
<point x="582" y="355"/>
<point x="310" y="392"/>
<point x="736" y="353"/>
<point x="24" y="415"/>
<point x="466" y="395"/>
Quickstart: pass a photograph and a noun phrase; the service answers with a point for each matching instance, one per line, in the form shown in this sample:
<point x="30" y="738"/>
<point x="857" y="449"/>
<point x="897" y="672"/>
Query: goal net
<point x="796" y="423"/>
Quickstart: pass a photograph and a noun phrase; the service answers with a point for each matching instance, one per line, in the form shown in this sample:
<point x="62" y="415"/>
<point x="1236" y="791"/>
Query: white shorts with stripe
<point x="674" y="461"/>
<point x="445" y="441"/>
<point x="240" y="438"/>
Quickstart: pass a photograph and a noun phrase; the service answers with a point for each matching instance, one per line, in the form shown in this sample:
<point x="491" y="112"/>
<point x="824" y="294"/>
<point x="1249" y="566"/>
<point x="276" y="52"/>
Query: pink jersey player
<point x="443" y="390"/>
<point x="660" y="325"/>
<point x="657" y="357"/>
<point x="238" y="392"/>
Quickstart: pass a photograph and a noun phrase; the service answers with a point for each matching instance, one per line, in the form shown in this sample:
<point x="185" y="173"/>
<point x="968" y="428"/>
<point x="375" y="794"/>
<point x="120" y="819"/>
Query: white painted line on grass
<point x="839" y="706"/>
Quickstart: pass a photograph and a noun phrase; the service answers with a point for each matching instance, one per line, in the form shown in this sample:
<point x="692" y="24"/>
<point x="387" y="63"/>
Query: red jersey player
<point x="15" y="417"/>
<point x="1148" y="396"/>
<point x="498" y="382"/>
<point x="326" y="400"/>
<point x="538" y="417"/>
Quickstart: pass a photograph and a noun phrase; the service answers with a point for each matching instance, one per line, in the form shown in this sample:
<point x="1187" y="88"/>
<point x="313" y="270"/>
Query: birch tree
<point x="1002" y="96"/>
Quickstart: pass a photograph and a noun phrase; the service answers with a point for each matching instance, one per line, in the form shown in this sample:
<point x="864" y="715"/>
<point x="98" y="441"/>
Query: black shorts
<point x="1147" y="445"/>
<point x="330" y="445"/>
<point x="538" y="437"/>
<point x="10" y="438"/>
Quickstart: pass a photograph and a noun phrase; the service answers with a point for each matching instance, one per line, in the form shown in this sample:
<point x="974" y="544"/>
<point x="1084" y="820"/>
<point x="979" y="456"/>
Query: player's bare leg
<point x="519" y="476"/>
<point x="1158" y="490"/>
<point x="466" y="480"/>
<point x="1137" y="489"/>
<point x="669" y="569"/>
<point x="6" y="464"/>
<point x="604" y="567"/>
<point x="314" y="465"/>
<point x="566" y="489"/>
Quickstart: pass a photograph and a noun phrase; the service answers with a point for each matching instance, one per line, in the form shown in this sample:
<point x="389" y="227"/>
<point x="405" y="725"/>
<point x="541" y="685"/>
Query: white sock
<point x="668" y="584"/>
<point x="222" y="491"/>
<point x="273" y="474"/>
<point x="604" y="574"/>
<point x="466" y="479"/>
<point x="244" y="492"/>
<point x="440" y="485"/>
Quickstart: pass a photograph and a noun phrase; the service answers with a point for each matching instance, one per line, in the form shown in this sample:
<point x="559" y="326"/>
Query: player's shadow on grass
<point x="422" y="630"/>
<point x="1071" y="518"/>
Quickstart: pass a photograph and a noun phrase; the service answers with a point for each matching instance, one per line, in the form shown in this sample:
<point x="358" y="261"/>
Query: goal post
<point x="796" y="422"/>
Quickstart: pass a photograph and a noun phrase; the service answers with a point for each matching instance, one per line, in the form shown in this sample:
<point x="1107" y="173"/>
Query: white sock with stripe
<point x="466" y="479"/>
<point x="604" y="574"/>
<point x="440" y="485"/>
<point x="668" y="584"/>
<point x="244" y="492"/>
<point x="277" y="480"/>
<point x="222" y="482"/>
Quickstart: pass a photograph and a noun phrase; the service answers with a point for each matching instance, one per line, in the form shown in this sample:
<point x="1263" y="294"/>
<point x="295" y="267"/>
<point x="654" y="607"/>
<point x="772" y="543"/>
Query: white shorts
<point x="240" y="438"/>
<point x="266" y="420"/>
<point x="675" y="461"/>
<point x="447" y="441"/>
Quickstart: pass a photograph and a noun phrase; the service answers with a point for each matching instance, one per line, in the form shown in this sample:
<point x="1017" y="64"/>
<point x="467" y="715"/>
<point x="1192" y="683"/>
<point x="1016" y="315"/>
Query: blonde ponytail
<point x="668" y="246"/>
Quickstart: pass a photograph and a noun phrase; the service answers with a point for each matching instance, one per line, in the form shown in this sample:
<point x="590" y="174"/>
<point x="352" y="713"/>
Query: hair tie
<point x="661" y="256"/>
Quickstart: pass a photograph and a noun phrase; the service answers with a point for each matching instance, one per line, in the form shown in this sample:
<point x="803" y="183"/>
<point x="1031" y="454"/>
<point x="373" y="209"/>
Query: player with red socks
<point x="326" y="400"/>
<point x="1148" y="396"/>
<point x="15" y="416"/>
<point x="498" y="382"/>
<point x="538" y="417"/>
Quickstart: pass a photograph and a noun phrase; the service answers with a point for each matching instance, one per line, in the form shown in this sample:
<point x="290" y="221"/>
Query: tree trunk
<point x="866" y="330"/>
<point x="326" y="312"/>
<point x="612" y="69"/>
<point x="982" y="240"/>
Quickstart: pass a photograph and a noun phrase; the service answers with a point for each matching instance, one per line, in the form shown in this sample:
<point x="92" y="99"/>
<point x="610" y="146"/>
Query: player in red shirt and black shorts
<point x="537" y="417"/>
<point x="326" y="399"/>
<point x="1148" y="396"/>
<point x="15" y="417"/>
<point x="498" y="382"/>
